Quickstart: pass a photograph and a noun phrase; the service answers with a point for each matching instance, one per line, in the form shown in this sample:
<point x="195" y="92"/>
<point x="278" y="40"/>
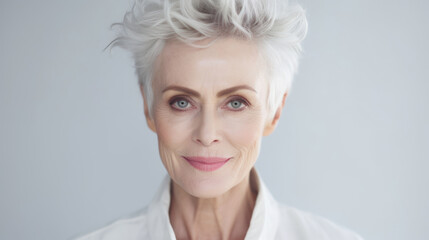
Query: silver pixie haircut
<point x="275" y="26"/>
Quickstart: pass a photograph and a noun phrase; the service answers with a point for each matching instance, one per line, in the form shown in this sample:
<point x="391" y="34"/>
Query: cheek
<point x="247" y="143"/>
<point x="244" y="130"/>
<point x="172" y="130"/>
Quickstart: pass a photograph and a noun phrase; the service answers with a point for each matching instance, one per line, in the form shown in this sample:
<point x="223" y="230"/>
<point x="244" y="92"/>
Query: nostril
<point x="205" y="131"/>
<point x="207" y="142"/>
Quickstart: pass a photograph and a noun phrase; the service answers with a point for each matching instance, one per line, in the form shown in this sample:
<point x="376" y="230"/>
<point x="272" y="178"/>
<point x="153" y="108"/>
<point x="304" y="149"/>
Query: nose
<point x="206" y="129"/>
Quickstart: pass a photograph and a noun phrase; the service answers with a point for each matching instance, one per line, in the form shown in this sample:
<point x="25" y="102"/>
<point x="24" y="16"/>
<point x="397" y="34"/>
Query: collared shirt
<point x="270" y="220"/>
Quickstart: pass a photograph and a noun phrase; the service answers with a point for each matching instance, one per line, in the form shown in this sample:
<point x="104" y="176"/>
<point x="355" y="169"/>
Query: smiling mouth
<point x="206" y="164"/>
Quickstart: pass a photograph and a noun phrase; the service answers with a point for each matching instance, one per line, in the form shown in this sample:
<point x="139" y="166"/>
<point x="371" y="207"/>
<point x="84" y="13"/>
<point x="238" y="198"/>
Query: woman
<point x="214" y="76"/>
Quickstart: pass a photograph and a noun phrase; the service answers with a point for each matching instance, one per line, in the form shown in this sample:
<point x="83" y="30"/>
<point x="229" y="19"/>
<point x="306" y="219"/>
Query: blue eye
<point x="181" y="104"/>
<point x="237" y="104"/>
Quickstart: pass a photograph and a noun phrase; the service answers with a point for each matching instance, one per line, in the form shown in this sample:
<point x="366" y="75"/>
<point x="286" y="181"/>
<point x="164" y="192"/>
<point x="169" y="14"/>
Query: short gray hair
<point x="276" y="26"/>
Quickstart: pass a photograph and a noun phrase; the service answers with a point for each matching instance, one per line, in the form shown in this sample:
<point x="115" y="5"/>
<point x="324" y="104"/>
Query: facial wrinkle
<point x="220" y="202"/>
<point x="216" y="213"/>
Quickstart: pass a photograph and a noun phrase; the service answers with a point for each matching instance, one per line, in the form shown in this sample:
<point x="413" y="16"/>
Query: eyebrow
<point x="219" y="94"/>
<point x="234" y="89"/>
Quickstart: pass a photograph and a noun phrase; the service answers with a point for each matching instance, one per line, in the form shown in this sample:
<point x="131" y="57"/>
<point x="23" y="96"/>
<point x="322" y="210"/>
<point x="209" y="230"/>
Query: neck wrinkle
<point x="225" y="217"/>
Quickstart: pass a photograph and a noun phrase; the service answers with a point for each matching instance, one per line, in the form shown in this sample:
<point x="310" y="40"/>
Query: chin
<point x="206" y="187"/>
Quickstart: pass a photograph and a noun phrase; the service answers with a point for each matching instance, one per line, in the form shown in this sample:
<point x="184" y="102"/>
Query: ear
<point x="271" y="124"/>
<point x="149" y="120"/>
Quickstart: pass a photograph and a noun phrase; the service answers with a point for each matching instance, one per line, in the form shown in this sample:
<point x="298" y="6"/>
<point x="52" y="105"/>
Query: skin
<point x="222" y="112"/>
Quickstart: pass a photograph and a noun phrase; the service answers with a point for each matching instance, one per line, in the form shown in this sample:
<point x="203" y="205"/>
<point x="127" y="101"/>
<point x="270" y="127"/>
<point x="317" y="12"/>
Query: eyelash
<point x="232" y="98"/>
<point x="178" y="98"/>
<point x="240" y="99"/>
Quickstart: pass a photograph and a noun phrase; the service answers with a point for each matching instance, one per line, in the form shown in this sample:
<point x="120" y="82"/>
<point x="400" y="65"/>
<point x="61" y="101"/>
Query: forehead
<point x="226" y="62"/>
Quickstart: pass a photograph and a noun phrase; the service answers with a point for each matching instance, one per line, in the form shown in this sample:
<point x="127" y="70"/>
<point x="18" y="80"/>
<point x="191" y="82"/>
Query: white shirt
<point x="270" y="220"/>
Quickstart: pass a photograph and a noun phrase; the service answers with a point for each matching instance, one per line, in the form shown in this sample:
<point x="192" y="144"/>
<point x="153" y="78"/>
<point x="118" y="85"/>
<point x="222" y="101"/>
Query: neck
<point x="224" y="217"/>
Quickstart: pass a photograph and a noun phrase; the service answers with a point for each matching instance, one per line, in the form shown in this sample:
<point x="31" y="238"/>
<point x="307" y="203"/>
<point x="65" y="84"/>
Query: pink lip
<point x="206" y="164"/>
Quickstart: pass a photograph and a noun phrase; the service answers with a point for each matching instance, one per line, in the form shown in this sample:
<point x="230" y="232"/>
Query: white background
<point x="352" y="146"/>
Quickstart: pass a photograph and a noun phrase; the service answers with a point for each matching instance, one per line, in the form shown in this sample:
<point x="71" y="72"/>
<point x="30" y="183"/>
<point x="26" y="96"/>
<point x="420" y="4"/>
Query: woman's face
<point x="210" y="104"/>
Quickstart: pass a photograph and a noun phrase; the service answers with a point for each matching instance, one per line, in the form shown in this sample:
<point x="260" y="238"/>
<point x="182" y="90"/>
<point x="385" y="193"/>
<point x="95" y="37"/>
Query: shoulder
<point x="304" y="225"/>
<point x="126" y="228"/>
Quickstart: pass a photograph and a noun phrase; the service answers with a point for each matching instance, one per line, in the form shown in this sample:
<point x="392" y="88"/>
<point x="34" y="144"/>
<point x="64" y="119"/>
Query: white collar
<point x="263" y="224"/>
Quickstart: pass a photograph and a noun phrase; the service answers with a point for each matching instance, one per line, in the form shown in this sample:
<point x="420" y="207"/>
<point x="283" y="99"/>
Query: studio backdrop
<point x="352" y="144"/>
